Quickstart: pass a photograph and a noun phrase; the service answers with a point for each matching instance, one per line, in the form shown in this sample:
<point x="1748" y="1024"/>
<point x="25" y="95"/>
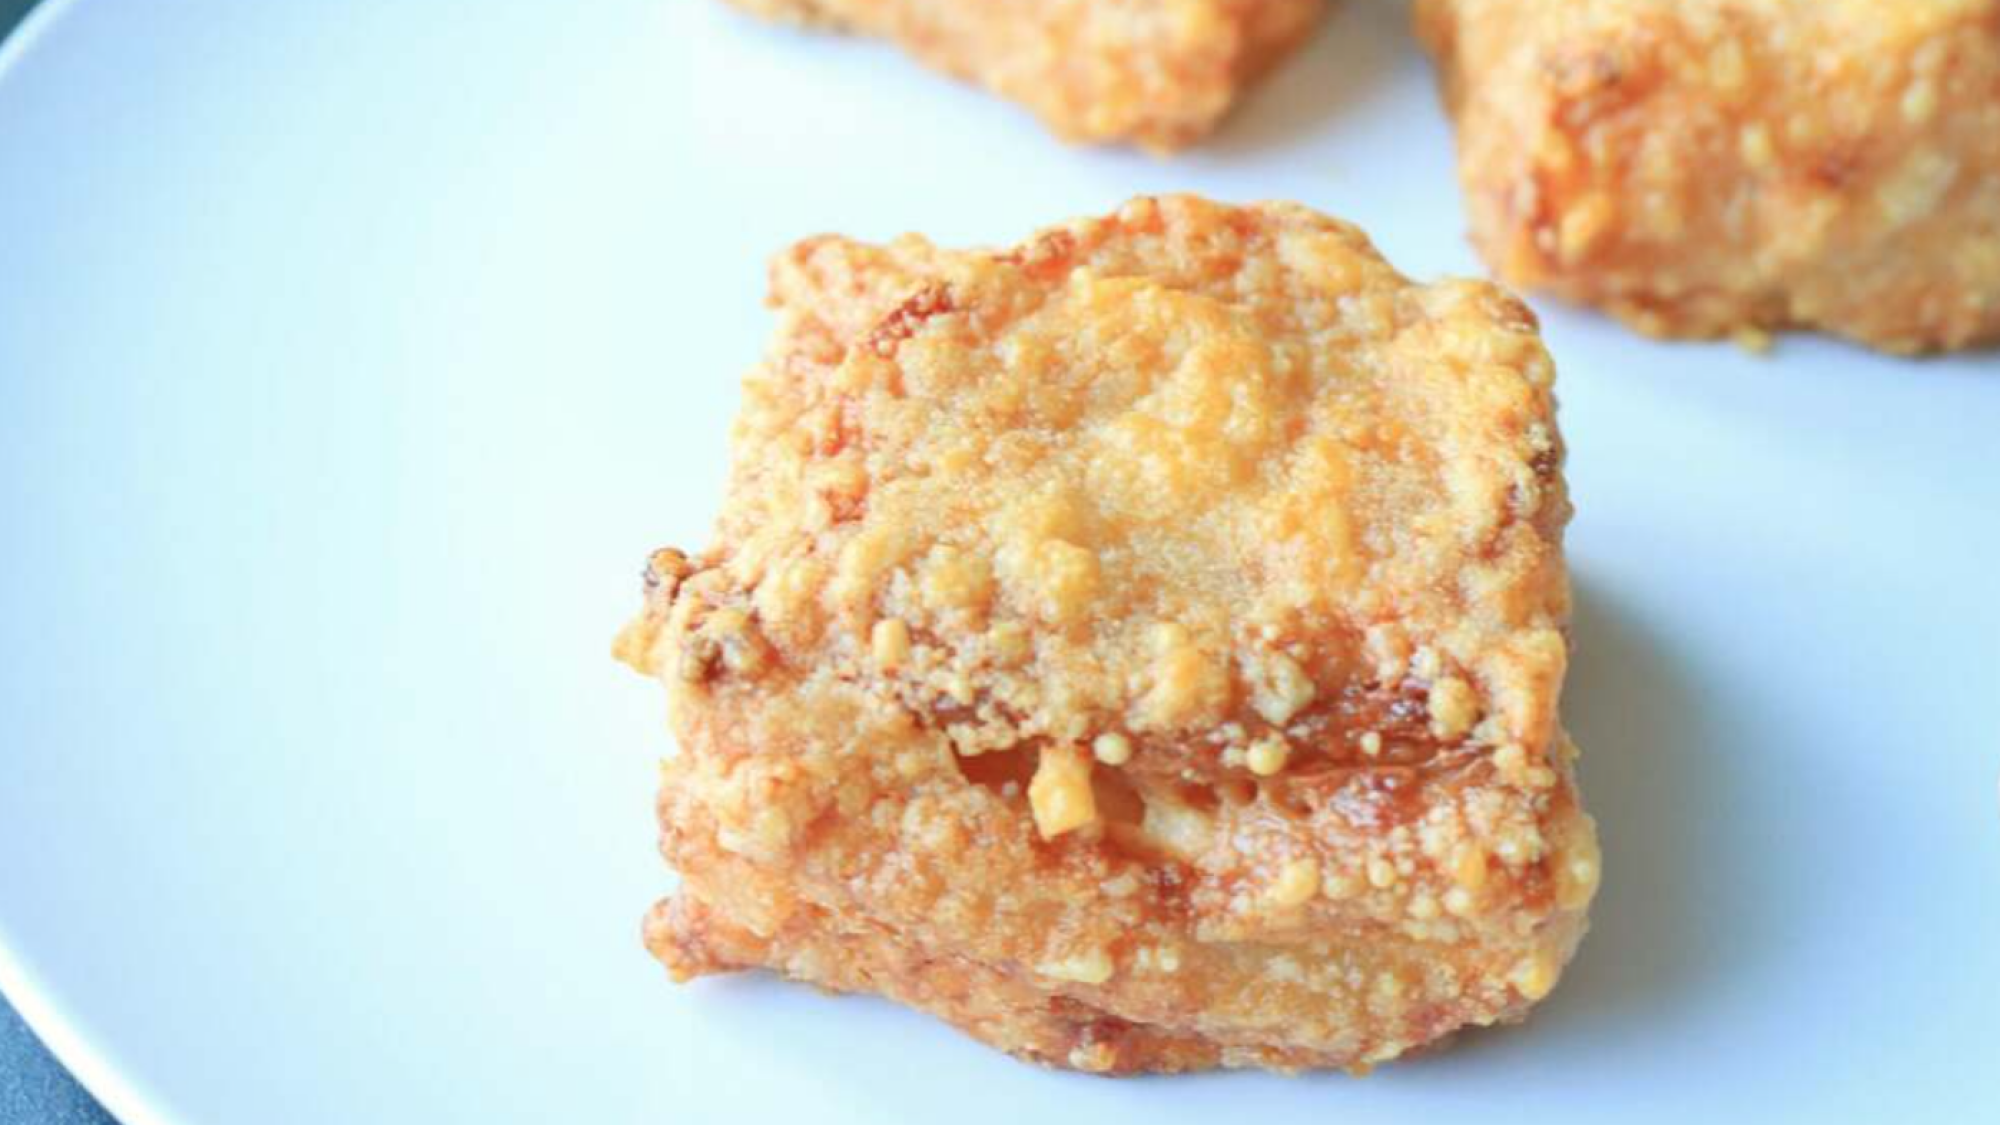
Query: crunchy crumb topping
<point x="1268" y="755"/>
<point x="1112" y="748"/>
<point x="1060" y="794"/>
<point x="1297" y="883"/>
<point x="1182" y="586"/>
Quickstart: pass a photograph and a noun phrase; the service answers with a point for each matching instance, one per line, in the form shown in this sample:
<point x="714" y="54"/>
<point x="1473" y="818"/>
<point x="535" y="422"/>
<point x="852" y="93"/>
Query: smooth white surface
<point x="352" y="355"/>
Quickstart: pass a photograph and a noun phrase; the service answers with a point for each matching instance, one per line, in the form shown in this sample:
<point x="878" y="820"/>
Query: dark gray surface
<point x="11" y="12"/>
<point x="34" y="1088"/>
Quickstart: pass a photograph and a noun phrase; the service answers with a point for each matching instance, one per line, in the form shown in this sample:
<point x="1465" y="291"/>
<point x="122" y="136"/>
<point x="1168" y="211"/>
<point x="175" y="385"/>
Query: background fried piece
<point x="1702" y="167"/>
<point x="1140" y="648"/>
<point x="1159" y="73"/>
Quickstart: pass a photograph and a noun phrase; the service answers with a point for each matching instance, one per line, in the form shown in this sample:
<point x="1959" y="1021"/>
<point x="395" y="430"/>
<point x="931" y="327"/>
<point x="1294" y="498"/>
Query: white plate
<point x="352" y="355"/>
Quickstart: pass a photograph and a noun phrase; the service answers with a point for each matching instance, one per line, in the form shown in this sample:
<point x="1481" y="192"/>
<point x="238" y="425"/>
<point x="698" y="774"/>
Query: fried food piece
<point x="1707" y="167"/>
<point x="1139" y="648"/>
<point x="1159" y="73"/>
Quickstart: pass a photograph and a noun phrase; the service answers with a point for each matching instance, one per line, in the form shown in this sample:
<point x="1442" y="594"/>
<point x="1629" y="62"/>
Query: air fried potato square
<point x="1140" y="648"/>
<point x="1158" y="73"/>
<point x="1714" y="167"/>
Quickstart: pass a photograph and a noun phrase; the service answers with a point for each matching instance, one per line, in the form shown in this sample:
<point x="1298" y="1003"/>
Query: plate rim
<point x="37" y="1006"/>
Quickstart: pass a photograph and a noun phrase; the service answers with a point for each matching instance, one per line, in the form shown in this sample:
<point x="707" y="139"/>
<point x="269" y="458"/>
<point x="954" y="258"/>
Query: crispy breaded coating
<point x="1708" y="167"/>
<point x="1158" y="73"/>
<point x="1140" y="648"/>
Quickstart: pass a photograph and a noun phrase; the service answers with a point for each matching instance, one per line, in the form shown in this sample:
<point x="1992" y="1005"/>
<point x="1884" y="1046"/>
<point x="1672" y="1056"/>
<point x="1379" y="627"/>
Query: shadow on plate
<point x="1347" y="59"/>
<point x="1678" y="917"/>
<point x="1678" y="914"/>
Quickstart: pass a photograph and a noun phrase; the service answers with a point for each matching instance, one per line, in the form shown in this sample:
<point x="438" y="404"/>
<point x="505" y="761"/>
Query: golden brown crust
<point x="1140" y="648"/>
<point x="1707" y="167"/>
<point x="1159" y="73"/>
